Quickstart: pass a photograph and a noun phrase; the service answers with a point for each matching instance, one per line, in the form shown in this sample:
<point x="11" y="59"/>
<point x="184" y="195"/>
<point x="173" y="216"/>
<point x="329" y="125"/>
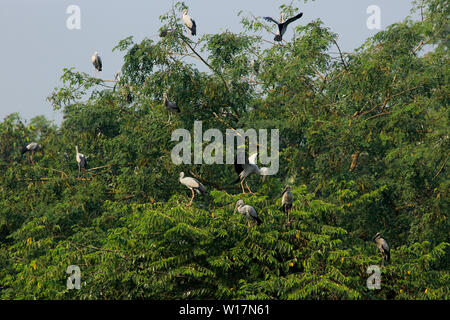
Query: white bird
<point x="282" y="25"/>
<point x="248" y="168"/>
<point x="383" y="247"/>
<point x="117" y="76"/>
<point x="97" y="61"/>
<point x="192" y="184"/>
<point x="31" y="147"/>
<point x="286" y="201"/>
<point x="189" y="22"/>
<point x="81" y="159"/>
<point x="249" y="212"/>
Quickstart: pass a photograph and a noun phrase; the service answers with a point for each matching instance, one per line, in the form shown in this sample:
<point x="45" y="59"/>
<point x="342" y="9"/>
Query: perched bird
<point x="170" y="105"/>
<point x="117" y="76"/>
<point x="249" y="212"/>
<point x="383" y="247"/>
<point x="97" y="61"/>
<point x="164" y="32"/>
<point x="192" y="184"/>
<point x="286" y="201"/>
<point x="282" y="25"/>
<point x="32" y="147"/>
<point x="189" y="22"/>
<point x="81" y="159"/>
<point x="248" y="168"/>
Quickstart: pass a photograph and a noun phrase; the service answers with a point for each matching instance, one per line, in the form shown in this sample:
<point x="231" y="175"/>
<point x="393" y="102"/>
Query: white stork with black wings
<point x="192" y="184"/>
<point x="248" y="168"/>
<point x="383" y="247"/>
<point x="81" y="159"/>
<point x="31" y="147"/>
<point x="189" y="22"/>
<point x="249" y="212"/>
<point x="282" y="25"/>
<point x="97" y="61"/>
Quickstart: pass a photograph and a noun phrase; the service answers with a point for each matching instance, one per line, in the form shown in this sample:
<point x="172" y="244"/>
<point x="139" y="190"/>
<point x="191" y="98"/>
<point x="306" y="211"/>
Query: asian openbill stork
<point x="383" y="247"/>
<point x="81" y="159"/>
<point x="31" y="147"/>
<point x="189" y="22"/>
<point x="248" y="168"/>
<point x="286" y="202"/>
<point x="282" y="25"/>
<point x="171" y="106"/>
<point x="97" y="61"/>
<point x="192" y="184"/>
<point x="249" y="212"/>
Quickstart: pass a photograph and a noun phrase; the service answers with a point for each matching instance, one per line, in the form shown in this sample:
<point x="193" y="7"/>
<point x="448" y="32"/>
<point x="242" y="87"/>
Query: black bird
<point x="170" y="105"/>
<point x="32" y="147"/>
<point x="282" y="25"/>
<point x="383" y="247"/>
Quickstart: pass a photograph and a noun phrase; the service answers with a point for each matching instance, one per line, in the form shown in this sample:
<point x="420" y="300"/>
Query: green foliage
<point x="363" y="143"/>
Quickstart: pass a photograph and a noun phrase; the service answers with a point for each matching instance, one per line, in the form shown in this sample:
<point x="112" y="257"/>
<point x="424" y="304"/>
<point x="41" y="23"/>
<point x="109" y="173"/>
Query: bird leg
<point x="193" y="195"/>
<point x="31" y="157"/>
<point x="248" y="188"/>
<point x="242" y="185"/>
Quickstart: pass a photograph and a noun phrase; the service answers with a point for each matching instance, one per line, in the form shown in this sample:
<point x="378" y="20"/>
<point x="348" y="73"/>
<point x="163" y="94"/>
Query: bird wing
<point x="251" y="211"/>
<point x="293" y="18"/>
<point x="99" y="62"/>
<point x="191" y="182"/>
<point x="253" y="158"/>
<point x="384" y="245"/>
<point x="271" y="20"/>
<point x="193" y="28"/>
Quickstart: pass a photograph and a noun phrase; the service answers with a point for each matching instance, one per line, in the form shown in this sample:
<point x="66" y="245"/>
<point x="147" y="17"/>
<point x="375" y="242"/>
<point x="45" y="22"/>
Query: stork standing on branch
<point x="81" y="159"/>
<point x="97" y="62"/>
<point x="171" y="106"/>
<point x="192" y="184"/>
<point x="383" y="247"/>
<point x="189" y="23"/>
<point x="248" y="168"/>
<point x="32" y="147"/>
<point x="249" y="212"/>
<point x="286" y="202"/>
<point x="282" y="25"/>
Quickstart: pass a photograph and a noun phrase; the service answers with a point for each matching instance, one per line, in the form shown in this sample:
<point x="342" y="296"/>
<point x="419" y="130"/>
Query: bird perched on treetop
<point x="282" y="25"/>
<point x="170" y="105"/>
<point x="97" y="61"/>
<point x="31" y="147"/>
<point x="189" y="22"/>
<point x="286" y="202"/>
<point x="248" y="168"/>
<point x="249" y="212"/>
<point x="81" y="159"/>
<point x="192" y="184"/>
<point x="383" y="247"/>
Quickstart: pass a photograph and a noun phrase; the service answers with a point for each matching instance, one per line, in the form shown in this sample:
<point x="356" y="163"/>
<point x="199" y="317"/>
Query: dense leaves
<point x="363" y="143"/>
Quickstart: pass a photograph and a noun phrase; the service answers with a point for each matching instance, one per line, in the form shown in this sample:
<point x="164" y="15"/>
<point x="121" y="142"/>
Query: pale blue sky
<point x="36" y="44"/>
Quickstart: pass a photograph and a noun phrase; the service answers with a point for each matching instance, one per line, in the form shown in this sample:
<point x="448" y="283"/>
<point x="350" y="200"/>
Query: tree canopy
<point x="364" y="144"/>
